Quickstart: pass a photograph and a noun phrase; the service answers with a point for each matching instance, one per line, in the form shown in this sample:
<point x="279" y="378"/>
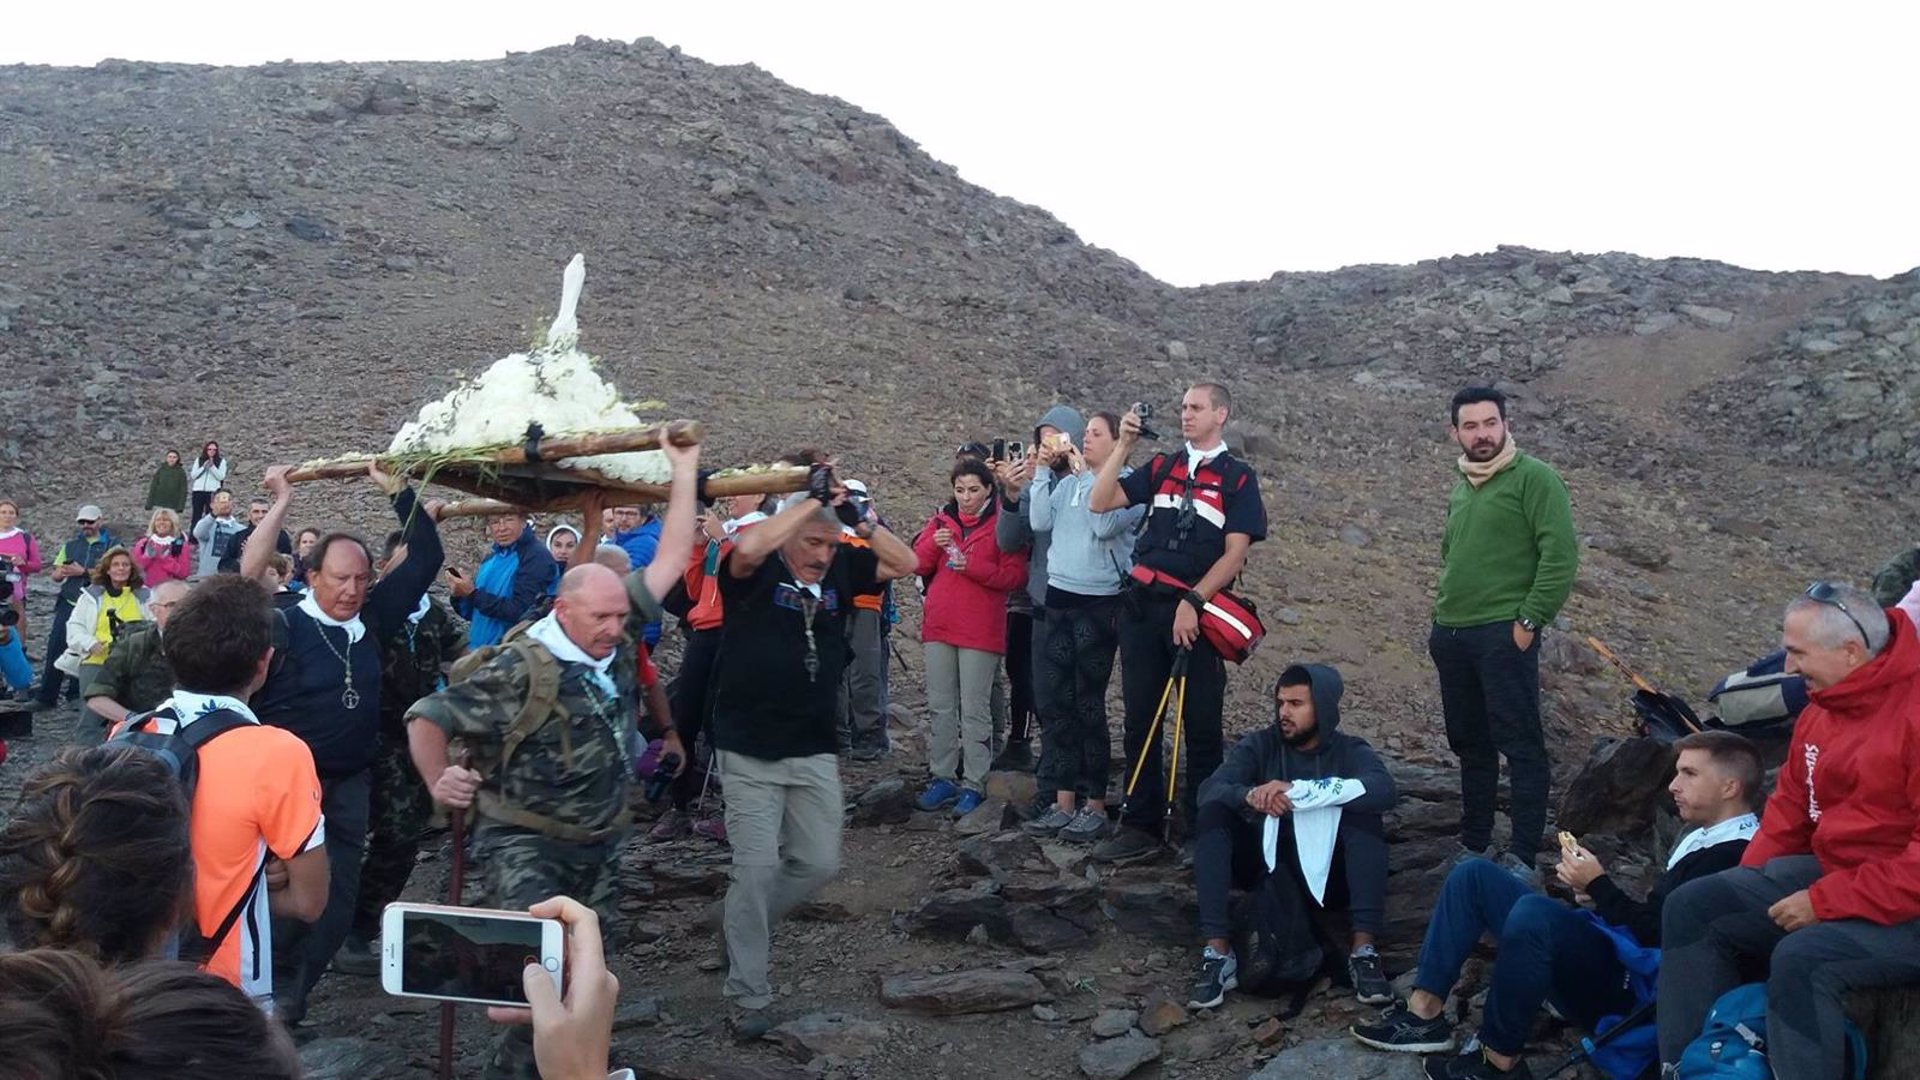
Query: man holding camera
<point x="1203" y="514"/>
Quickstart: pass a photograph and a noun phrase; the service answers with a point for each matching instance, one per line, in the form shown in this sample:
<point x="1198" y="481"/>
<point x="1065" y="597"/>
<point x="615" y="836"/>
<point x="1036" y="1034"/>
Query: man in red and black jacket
<point x="1828" y="892"/>
<point x="1203" y="513"/>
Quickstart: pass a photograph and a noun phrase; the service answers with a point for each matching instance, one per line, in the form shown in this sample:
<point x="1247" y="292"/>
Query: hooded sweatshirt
<point x="1014" y="529"/>
<point x="1264" y="756"/>
<point x="1088" y="553"/>
<point x="1849" y="792"/>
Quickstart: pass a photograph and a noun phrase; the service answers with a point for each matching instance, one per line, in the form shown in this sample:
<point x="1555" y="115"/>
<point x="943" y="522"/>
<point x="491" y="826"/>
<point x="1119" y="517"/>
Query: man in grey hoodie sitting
<point x="1303" y="799"/>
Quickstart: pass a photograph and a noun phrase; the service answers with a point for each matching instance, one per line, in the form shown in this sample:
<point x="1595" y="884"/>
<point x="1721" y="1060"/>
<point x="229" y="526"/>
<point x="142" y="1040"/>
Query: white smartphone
<point x="467" y="954"/>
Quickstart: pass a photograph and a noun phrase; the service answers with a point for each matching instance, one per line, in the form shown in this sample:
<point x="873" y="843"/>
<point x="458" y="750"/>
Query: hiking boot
<point x="1400" y="1031"/>
<point x="867" y="754"/>
<point x="746" y="1025"/>
<point x="711" y="828"/>
<point x="358" y="956"/>
<point x="1127" y="845"/>
<point x="1524" y="869"/>
<point x="1369" y="979"/>
<point x="1017" y="757"/>
<point x="1472" y="1065"/>
<point x="967" y="803"/>
<point x="1089" y="825"/>
<point x="939" y="794"/>
<point x="1049" y="823"/>
<point x="1218" y="974"/>
<point x="671" y="825"/>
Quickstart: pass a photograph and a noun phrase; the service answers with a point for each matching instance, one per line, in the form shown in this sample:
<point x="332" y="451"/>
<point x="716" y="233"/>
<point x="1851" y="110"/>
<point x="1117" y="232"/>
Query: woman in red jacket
<point x="963" y="627"/>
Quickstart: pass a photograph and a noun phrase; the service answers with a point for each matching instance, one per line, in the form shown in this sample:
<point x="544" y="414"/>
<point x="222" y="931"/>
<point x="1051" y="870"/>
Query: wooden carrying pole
<point x="680" y="433"/>
<point x="773" y="482"/>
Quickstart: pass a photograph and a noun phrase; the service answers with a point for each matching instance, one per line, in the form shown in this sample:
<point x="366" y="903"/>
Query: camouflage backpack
<point x="541" y="705"/>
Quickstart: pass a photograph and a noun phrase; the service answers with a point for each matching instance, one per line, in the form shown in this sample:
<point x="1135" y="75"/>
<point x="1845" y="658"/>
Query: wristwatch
<point x="1199" y="602"/>
<point x="1528" y="625"/>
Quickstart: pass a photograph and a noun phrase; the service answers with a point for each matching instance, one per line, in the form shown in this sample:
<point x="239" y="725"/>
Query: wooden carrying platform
<point x="529" y="476"/>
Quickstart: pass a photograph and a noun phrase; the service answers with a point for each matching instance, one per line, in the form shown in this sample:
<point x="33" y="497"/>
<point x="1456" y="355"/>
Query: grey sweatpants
<point x="1709" y="924"/>
<point x="783" y="823"/>
<point x="863" y="716"/>
<point x="959" y="686"/>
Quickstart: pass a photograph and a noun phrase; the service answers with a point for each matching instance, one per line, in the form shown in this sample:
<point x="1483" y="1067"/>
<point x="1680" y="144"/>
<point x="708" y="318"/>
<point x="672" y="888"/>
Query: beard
<point x="1485" y="450"/>
<point x="1294" y="736"/>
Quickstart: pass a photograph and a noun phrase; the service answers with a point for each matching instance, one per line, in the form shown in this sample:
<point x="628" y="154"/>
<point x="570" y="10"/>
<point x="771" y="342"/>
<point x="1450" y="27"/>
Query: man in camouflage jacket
<point x="550" y="787"/>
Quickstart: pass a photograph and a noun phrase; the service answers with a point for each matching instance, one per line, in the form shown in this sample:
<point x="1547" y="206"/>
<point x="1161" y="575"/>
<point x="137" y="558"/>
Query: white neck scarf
<point x="1197" y="457"/>
<point x="8" y="534"/>
<point x="1734" y="828"/>
<point x="421" y="611"/>
<point x="734" y="525"/>
<point x="549" y="633"/>
<point x="354" y="627"/>
<point x="189" y="706"/>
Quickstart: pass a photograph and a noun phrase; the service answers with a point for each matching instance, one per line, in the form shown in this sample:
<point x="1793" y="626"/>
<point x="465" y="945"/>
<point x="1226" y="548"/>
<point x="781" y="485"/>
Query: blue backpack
<point x="1733" y="1043"/>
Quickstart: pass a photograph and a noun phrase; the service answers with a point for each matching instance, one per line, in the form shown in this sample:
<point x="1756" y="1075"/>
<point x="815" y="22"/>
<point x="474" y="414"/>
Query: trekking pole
<point x="1583" y="1052"/>
<point x="1179" y="675"/>
<point x="457" y="821"/>
<point x="1153" y="731"/>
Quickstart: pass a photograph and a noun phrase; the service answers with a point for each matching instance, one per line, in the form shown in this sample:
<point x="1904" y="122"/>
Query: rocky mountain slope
<point x="291" y="258"/>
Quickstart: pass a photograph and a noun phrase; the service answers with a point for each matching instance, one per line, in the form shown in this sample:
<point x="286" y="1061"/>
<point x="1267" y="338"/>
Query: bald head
<point x="162" y="599"/>
<point x="613" y="557"/>
<point x="592" y="609"/>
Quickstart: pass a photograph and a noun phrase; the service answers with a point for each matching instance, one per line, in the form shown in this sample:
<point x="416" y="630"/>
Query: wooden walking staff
<point x="456" y="880"/>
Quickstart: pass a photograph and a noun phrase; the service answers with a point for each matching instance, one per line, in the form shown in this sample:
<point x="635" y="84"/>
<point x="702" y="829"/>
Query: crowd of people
<point x="330" y="691"/>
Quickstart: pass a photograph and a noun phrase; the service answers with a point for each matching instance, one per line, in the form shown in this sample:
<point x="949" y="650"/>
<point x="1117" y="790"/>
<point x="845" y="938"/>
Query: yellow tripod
<point x="1177" y="691"/>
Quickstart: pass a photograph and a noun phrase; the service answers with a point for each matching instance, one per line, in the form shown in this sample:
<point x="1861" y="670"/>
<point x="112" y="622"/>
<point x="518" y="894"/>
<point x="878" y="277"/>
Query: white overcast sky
<point x="1218" y="142"/>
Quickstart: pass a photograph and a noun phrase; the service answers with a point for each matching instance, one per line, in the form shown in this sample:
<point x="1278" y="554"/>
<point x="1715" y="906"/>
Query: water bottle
<point x="953" y="556"/>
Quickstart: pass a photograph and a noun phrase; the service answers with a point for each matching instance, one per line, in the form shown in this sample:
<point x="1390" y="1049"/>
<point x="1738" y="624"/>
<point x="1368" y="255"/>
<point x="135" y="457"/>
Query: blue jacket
<point x="640" y="544"/>
<point x="509" y="584"/>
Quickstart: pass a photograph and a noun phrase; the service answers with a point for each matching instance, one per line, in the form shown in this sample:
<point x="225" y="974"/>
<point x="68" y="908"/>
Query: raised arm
<point x="254" y="557"/>
<point x="1107" y="493"/>
<point x="395" y="596"/>
<point x="677" y="531"/>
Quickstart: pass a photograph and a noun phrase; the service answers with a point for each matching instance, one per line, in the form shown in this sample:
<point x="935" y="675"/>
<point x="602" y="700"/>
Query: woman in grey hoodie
<point x="1088" y="556"/>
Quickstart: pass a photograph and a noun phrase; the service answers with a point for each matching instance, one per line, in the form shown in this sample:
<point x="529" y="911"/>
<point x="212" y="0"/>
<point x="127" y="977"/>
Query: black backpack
<point x="179" y="749"/>
<point x="1277" y="940"/>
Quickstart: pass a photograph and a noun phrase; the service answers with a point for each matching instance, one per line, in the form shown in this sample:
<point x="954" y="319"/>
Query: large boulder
<point x="1620" y="787"/>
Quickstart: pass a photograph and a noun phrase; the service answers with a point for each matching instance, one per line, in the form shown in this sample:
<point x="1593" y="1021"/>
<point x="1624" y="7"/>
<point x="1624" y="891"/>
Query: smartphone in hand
<point x="473" y="955"/>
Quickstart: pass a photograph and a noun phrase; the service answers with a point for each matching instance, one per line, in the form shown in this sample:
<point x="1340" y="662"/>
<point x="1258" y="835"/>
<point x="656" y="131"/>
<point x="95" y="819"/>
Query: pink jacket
<point x="162" y="561"/>
<point x="25" y="553"/>
<point x="968" y="608"/>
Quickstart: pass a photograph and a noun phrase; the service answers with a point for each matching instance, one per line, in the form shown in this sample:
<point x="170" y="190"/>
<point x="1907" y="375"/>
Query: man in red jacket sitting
<point x="1829" y="891"/>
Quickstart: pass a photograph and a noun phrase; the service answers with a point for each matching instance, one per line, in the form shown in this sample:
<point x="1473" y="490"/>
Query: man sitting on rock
<point x="1829" y="891"/>
<point x="1300" y="799"/>
<point x="1550" y="952"/>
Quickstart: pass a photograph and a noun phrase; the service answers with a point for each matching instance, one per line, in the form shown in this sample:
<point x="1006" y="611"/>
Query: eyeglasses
<point x="1826" y="592"/>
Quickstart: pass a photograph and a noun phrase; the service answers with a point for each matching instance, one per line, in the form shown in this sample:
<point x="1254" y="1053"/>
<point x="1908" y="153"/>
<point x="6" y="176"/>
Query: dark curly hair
<point x="96" y="857"/>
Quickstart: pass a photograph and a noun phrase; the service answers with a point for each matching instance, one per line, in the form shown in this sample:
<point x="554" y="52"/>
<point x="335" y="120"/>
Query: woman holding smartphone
<point x="964" y="630"/>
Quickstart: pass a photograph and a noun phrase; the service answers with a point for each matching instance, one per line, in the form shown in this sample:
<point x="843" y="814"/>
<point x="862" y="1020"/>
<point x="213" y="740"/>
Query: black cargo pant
<point x="308" y="948"/>
<point x="1147" y="654"/>
<point x="1490" y="691"/>
<point x="690" y="697"/>
<point x="399" y="810"/>
<point x="1077" y="648"/>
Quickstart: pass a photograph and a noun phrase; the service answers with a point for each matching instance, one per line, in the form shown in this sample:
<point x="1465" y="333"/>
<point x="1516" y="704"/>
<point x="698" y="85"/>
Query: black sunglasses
<point x="86" y="521"/>
<point x="1825" y="592"/>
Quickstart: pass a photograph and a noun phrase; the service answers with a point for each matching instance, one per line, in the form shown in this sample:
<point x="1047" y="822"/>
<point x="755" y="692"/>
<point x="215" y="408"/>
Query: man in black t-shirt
<point x="788" y="587"/>
<point x="1203" y="513"/>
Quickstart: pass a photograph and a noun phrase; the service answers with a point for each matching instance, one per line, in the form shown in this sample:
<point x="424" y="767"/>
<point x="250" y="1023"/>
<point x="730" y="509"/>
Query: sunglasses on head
<point x="1826" y="592"/>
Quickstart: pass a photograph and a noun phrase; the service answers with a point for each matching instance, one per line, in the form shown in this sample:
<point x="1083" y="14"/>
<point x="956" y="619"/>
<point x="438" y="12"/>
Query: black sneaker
<point x="1049" y="823"/>
<point x="358" y="956"/>
<point x="1218" y="974"/>
<point x="1370" y="983"/>
<point x="1127" y="845"/>
<point x="1400" y="1031"/>
<point x="1472" y="1065"/>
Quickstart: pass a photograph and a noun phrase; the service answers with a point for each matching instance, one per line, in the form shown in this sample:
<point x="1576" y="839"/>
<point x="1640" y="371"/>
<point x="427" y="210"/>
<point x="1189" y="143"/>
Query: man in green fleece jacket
<point x="1508" y="560"/>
